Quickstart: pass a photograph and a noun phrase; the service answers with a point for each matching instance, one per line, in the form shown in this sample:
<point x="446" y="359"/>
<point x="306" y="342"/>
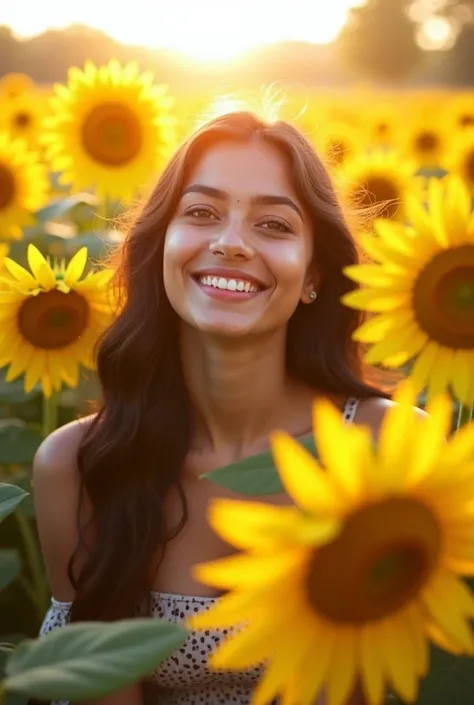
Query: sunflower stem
<point x="465" y="415"/>
<point x="33" y="561"/>
<point x="50" y="413"/>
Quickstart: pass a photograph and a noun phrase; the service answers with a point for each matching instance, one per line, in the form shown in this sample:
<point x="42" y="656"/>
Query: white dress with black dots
<point x="185" y="678"/>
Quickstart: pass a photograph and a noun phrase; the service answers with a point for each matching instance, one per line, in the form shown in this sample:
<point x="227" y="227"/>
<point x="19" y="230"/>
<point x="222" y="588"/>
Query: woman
<point x="232" y="323"/>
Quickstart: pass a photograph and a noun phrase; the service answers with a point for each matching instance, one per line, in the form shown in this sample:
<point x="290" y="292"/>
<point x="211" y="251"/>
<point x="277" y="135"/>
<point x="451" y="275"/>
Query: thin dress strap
<point x="350" y="408"/>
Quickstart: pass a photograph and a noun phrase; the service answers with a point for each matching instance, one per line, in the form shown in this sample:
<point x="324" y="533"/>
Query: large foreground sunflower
<point x="324" y="606"/>
<point x="50" y="319"/>
<point x="111" y="129"/>
<point x="421" y="285"/>
<point x="24" y="186"/>
<point x="381" y="178"/>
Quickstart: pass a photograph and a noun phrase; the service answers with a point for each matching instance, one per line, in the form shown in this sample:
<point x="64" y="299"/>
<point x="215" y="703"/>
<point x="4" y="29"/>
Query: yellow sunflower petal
<point x="372" y="663"/>
<point x="258" y="525"/>
<point x="449" y="602"/>
<point x="377" y="301"/>
<point x="22" y="275"/>
<point x="337" y="447"/>
<point x="76" y="267"/>
<point x="399" y="653"/>
<point x="302" y="476"/>
<point x="40" y="268"/>
<point x="342" y="668"/>
<point x="246" y="571"/>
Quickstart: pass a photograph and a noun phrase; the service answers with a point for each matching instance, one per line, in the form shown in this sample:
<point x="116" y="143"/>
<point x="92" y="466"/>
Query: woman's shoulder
<point x="371" y="412"/>
<point x="58" y="451"/>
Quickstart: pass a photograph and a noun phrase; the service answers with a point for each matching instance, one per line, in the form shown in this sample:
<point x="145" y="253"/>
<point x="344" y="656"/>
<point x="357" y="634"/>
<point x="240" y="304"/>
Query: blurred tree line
<point x="380" y="42"/>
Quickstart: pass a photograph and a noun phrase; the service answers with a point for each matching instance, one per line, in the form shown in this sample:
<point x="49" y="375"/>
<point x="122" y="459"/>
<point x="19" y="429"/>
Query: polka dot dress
<point x="185" y="678"/>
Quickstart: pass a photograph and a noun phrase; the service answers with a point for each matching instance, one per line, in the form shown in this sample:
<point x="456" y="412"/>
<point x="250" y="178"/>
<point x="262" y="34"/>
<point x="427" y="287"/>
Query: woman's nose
<point x="231" y="244"/>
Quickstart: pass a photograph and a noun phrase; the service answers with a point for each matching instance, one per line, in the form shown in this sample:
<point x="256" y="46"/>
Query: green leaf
<point x="86" y="660"/>
<point x="18" y="442"/>
<point x="10" y="566"/>
<point x="10" y="498"/>
<point x="61" y="206"/>
<point x="255" y="475"/>
<point x="12" y="392"/>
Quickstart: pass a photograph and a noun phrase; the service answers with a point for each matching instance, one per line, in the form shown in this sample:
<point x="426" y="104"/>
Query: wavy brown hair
<point x="134" y="450"/>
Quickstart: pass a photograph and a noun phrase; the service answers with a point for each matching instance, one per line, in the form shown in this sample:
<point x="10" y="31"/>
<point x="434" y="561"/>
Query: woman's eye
<point x="200" y="212"/>
<point x="276" y="225"/>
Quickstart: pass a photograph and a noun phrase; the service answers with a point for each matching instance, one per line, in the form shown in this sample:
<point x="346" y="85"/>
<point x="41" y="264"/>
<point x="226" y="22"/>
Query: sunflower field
<point x="76" y="157"/>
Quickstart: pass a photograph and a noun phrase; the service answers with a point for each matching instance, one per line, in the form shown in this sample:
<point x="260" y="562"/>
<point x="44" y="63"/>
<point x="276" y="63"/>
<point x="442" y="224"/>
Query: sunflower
<point x="22" y="117"/>
<point x="50" y="319"/>
<point x="3" y="253"/>
<point x="460" y="159"/>
<point x="353" y="581"/>
<point x="111" y="128"/>
<point x="379" y="178"/>
<point x="24" y="186"/>
<point x="421" y="287"/>
<point x="13" y="85"/>
<point x="425" y="141"/>
<point x="338" y="142"/>
<point x="460" y="111"/>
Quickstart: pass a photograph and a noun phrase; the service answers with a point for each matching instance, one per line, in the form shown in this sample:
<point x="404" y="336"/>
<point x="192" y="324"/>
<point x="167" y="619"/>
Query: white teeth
<point x="229" y="284"/>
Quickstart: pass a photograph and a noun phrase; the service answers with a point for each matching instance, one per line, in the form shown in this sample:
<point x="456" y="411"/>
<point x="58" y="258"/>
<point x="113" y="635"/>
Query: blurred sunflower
<point x="22" y="117"/>
<point x="24" y="186"/>
<point x="338" y="142"/>
<point x="322" y="606"/>
<point x="460" y="111"/>
<point x="460" y="158"/>
<point x="50" y="319"/>
<point x="111" y="128"/>
<point x="379" y="178"/>
<point x="422" y="288"/>
<point x="381" y="124"/>
<point x="13" y="85"/>
<point x="425" y="141"/>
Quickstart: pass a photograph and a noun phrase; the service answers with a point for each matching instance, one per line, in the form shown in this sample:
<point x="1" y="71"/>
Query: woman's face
<point x="239" y="246"/>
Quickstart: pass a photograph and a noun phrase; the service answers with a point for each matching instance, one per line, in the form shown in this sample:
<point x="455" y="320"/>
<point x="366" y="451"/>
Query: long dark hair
<point x="134" y="450"/>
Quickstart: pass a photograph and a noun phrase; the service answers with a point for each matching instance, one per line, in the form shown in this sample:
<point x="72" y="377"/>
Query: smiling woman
<point x="232" y="275"/>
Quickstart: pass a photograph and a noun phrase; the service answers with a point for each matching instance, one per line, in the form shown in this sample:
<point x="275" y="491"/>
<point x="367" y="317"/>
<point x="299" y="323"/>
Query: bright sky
<point x="204" y="29"/>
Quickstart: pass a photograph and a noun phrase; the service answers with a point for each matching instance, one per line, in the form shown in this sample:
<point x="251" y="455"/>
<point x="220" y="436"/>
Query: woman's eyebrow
<point x="265" y="200"/>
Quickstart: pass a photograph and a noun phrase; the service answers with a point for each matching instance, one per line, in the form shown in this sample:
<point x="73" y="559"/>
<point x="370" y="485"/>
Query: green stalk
<point x="465" y="415"/>
<point x="50" y="414"/>
<point x="32" y="554"/>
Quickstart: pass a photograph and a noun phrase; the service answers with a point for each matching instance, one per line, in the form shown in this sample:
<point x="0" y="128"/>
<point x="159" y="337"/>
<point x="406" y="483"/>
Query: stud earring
<point x="313" y="295"/>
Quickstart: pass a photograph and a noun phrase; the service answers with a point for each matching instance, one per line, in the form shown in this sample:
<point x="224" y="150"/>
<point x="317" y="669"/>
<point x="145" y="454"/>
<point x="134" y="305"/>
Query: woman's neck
<point x="239" y="390"/>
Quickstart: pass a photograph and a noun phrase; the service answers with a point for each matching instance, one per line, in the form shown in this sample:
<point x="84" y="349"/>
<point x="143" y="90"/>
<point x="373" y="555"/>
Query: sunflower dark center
<point x="7" y="187"/>
<point x="22" y="120"/>
<point x="381" y="191"/>
<point x="427" y="141"/>
<point x="467" y="120"/>
<point x="443" y="298"/>
<point x="52" y="319"/>
<point x="112" y="134"/>
<point x="379" y="562"/>
<point x="469" y="166"/>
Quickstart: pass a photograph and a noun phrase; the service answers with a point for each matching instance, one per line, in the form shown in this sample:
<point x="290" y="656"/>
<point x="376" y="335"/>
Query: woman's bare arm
<point x="56" y="492"/>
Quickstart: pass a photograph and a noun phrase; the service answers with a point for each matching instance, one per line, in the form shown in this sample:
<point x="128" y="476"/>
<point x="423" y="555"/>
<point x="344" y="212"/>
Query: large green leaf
<point x="10" y="566"/>
<point x="18" y="442"/>
<point x="88" y="660"/>
<point x="255" y="475"/>
<point x="10" y="498"/>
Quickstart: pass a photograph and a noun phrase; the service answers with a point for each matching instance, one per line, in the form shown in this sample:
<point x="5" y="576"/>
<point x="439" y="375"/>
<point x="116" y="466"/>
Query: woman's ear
<point x="310" y="288"/>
